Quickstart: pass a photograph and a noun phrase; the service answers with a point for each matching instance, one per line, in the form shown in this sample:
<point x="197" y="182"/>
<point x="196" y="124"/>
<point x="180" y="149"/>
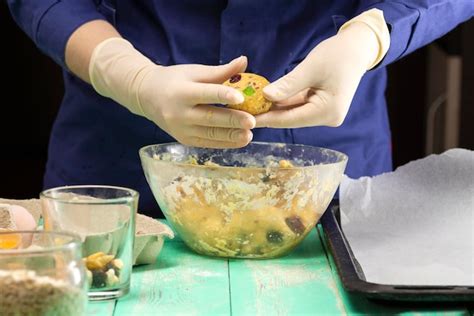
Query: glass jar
<point x="104" y="218"/>
<point x="41" y="273"/>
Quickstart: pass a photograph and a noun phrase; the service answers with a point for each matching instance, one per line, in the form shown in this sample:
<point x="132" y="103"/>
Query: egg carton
<point x="149" y="238"/>
<point x="6" y="218"/>
<point x="32" y="205"/>
<point x="150" y="233"/>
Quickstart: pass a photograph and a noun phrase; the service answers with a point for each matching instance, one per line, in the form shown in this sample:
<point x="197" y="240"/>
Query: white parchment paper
<point x="414" y="226"/>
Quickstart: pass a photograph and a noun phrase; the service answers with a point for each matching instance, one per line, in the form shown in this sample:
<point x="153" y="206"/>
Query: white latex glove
<point x="176" y="98"/>
<point x="320" y="89"/>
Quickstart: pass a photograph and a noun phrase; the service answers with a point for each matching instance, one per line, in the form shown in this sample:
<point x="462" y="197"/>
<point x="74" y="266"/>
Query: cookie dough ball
<point x="251" y="86"/>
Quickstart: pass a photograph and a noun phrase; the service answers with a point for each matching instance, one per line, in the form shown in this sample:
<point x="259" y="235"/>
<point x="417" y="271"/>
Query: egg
<point x="22" y="220"/>
<point x="22" y="217"/>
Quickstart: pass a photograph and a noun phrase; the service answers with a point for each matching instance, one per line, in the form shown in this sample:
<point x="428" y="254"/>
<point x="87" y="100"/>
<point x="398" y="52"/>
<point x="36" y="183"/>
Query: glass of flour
<point x="41" y="273"/>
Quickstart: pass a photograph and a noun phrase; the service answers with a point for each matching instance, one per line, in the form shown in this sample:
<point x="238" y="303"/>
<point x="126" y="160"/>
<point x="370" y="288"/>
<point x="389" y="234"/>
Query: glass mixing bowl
<point x="254" y="202"/>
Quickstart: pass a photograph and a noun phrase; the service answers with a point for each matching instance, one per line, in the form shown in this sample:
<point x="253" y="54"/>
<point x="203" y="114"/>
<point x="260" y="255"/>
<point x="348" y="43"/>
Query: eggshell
<point x="23" y="219"/>
<point x="149" y="238"/>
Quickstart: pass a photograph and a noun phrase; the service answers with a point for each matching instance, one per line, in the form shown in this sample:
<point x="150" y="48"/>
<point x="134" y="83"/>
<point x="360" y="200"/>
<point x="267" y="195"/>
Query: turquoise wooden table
<point x="302" y="283"/>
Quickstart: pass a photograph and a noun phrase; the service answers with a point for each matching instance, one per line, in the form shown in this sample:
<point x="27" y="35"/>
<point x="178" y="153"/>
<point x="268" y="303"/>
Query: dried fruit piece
<point x="235" y="78"/>
<point x="99" y="278"/>
<point x="249" y="91"/>
<point x="274" y="237"/>
<point x="295" y="224"/>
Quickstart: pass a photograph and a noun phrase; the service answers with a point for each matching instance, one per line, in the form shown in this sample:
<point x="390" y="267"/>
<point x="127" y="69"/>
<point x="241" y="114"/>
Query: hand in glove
<point x="177" y="98"/>
<point x="320" y="89"/>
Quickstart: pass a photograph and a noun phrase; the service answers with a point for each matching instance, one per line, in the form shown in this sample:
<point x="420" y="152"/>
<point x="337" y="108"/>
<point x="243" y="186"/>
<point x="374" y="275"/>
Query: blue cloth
<point x="95" y="140"/>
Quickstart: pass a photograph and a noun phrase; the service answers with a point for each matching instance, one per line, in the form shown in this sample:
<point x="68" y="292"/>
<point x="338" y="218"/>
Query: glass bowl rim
<point x="74" y="242"/>
<point x="46" y="194"/>
<point x="343" y="157"/>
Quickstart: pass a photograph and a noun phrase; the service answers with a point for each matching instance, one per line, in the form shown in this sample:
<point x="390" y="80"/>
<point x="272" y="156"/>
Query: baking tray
<point x="354" y="281"/>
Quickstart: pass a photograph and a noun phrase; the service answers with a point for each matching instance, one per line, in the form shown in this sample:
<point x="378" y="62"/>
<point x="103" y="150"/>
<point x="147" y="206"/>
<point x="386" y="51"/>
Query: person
<point x="150" y="71"/>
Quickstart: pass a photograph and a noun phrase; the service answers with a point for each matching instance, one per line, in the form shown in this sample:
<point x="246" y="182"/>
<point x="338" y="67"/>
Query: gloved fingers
<point x="216" y="74"/>
<point x="290" y="84"/>
<point x="278" y="107"/>
<point x="210" y="93"/>
<point x="210" y="115"/>
<point x="298" y="99"/>
<point x="207" y="143"/>
<point x="233" y="135"/>
<point x="317" y="112"/>
<point x="301" y="116"/>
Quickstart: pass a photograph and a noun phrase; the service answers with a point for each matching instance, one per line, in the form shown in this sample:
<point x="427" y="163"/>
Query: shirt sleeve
<point x="415" y="23"/>
<point x="50" y="23"/>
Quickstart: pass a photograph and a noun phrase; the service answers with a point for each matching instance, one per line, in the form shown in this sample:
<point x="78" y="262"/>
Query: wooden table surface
<point x="302" y="283"/>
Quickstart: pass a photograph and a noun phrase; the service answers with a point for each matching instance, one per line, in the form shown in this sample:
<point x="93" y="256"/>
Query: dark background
<point x="33" y="83"/>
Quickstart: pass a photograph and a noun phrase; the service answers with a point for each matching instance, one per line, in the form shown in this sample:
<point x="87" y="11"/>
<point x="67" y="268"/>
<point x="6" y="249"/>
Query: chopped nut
<point x="111" y="279"/>
<point x="95" y="255"/>
<point x="118" y="263"/>
<point x="102" y="270"/>
<point x="98" y="261"/>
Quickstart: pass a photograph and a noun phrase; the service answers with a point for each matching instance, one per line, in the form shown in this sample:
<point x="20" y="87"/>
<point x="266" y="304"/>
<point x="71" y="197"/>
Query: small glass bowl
<point x="41" y="273"/>
<point x="104" y="218"/>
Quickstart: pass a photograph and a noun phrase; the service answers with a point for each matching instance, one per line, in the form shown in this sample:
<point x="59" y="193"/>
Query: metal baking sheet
<point x="352" y="275"/>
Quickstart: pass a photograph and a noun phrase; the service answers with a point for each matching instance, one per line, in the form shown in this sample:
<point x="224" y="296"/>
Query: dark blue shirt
<point x="96" y="141"/>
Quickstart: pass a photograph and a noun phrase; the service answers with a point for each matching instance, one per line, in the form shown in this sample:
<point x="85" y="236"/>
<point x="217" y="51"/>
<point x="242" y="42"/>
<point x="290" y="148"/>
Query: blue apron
<point x="96" y="141"/>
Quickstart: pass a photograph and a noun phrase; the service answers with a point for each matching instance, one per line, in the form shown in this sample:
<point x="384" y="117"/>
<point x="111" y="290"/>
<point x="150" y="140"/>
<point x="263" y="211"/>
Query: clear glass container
<point x="104" y="218"/>
<point x="259" y="201"/>
<point x="41" y="273"/>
